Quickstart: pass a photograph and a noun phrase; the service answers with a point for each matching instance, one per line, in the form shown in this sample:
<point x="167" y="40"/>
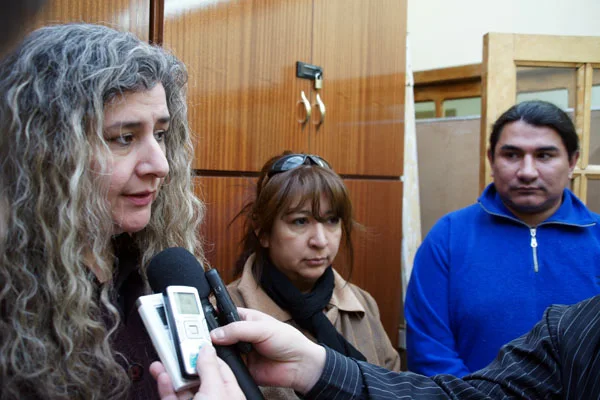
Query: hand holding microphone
<point x="178" y="267"/>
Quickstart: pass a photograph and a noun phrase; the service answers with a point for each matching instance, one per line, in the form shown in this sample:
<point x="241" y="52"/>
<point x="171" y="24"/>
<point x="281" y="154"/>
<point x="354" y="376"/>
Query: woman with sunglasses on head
<point x="294" y="227"/>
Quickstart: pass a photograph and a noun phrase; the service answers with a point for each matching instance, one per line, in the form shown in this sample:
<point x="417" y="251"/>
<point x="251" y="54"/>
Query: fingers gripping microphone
<point x="178" y="267"/>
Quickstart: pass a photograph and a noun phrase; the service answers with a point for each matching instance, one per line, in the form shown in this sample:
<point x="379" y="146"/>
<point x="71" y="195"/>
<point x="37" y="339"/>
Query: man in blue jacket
<point x="485" y="274"/>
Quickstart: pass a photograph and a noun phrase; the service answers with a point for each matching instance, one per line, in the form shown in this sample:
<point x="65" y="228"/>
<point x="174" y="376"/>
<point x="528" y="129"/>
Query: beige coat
<point x="352" y="311"/>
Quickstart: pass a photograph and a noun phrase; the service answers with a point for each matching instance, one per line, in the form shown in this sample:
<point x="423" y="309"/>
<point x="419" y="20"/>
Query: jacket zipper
<point x="534" y="245"/>
<point x="532" y="232"/>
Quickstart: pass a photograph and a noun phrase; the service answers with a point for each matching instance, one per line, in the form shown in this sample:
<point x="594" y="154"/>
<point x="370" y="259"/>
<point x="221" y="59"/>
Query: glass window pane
<point x="593" y="194"/>
<point x="556" y="85"/>
<point x="425" y="109"/>
<point x="469" y="107"/>
<point x="559" y="97"/>
<point x="595" y="122"/>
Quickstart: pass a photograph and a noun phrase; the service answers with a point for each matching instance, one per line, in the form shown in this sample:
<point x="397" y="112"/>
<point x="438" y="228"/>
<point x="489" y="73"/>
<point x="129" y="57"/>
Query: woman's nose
<point x="153" y="160"/>
<point x="319" y="236"/>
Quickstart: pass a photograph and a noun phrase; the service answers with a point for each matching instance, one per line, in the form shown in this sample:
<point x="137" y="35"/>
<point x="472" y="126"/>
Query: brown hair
<point x="287" y="192"/>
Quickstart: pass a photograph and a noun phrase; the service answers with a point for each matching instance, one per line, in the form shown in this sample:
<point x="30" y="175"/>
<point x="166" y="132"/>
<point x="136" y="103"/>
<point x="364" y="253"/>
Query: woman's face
<point x="135" y="126"/>
<point x="301" y="247"/>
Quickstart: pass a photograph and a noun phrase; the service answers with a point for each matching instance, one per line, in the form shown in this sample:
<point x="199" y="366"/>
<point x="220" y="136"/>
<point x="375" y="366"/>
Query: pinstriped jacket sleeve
<point x="345" y="378"/>
<point x="559" y="358"/>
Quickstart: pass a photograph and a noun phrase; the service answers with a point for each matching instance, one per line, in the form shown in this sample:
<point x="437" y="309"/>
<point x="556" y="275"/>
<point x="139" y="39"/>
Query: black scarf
<point x="307" y="309"/>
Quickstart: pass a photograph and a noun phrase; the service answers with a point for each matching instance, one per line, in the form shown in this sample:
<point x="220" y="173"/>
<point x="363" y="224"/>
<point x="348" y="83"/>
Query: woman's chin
<point x="130" y="227"/>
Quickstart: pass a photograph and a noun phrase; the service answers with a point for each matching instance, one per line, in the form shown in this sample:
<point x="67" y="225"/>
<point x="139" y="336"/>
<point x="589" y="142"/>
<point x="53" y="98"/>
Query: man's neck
<point x="534" y="219"/>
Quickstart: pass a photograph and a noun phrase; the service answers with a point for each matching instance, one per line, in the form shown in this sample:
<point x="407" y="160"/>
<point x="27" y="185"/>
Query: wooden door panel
<point x="242" y="96"/>
<point x="125" y="15"/>
<point x="224" y="198"/>
<point x="361" y="46"/>
<point x="378" y="207"/>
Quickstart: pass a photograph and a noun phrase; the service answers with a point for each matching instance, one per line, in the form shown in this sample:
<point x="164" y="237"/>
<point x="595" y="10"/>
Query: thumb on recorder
<point x="217" y="380"/>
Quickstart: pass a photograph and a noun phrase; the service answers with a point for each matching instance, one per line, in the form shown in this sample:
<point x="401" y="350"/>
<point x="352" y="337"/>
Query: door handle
<point x="321" y="110"/>
<point x="303" y="109"/>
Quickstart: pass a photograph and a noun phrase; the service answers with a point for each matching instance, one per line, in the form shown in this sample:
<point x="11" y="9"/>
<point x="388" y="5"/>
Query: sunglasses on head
<point x="292" y="161"/>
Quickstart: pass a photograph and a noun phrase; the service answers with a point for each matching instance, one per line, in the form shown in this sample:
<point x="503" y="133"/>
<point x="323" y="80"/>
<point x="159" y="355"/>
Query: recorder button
<point x="192" y="330"/>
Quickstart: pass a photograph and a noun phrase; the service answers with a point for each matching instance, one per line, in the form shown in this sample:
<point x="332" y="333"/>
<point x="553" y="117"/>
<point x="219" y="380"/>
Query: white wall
<point x="445" y="33"/>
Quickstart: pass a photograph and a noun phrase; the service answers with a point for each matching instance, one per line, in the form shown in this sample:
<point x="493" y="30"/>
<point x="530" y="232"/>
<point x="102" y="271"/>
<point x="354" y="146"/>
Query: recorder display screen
<point x="186" y="303"/>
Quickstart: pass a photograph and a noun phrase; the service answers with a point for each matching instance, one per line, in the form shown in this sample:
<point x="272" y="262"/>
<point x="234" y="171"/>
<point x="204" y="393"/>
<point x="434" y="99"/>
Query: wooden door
<point x="243" y="96"/>
<point x="360" y="44"/>
<point x="125" y="15"/>
<point x="224" y="198"/>
<point x="377" y="206"/>
<point x="574" y="59"/>
<point x="242" y="93"/>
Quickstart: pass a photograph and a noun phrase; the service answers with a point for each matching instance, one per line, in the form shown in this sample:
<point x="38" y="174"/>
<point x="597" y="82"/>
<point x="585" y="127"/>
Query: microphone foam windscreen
<point x="177" y="266"/>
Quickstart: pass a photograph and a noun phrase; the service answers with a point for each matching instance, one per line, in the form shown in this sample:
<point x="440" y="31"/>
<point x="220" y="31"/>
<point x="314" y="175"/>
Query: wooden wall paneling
<point x="377" y="205"/>
<point x="361" y="47"/>
<point x="441" y="92"/>
<point x="462" y="73"/>
<point x="443" y="84"/>
<point x="124" y="15"/>
<point x="242" y="94"/>
<point x="157" y="19"/>
<point x="446" y="91"/>
<point x="448" y="166"/>
<point x="224" y="198"/>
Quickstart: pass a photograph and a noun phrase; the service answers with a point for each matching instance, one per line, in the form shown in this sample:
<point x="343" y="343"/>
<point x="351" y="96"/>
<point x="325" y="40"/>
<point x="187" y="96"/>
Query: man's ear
<point x="490" y="160"/>
<point x="262" y="238"/>
<point x="573" y="163"/>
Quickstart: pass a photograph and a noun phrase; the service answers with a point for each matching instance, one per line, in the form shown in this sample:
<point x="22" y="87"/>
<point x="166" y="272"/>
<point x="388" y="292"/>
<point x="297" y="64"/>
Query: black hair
<point x="538" y="113"/>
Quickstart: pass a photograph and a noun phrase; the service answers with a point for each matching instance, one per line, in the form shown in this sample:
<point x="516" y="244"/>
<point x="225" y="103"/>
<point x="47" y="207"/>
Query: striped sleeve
<point x="340" y="380"/>
<point x="559" y="358"/>
<point x="345" y="378"/>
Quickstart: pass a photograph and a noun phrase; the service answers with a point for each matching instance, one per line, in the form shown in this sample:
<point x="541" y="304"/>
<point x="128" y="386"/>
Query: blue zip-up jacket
<point x="482" y="278"/>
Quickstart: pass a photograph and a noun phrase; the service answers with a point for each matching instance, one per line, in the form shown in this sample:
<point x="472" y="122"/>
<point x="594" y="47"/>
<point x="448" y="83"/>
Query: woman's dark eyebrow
<point x="136" y="124"/>
<point x="303" y="212"/>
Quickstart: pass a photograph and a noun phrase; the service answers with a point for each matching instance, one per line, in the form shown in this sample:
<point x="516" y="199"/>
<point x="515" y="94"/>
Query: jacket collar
<point x="343" y="298"/>
<point x="571" y="211"/>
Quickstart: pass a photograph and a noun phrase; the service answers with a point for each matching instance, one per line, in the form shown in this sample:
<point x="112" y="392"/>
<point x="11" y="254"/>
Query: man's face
<point x="531" y="168"/>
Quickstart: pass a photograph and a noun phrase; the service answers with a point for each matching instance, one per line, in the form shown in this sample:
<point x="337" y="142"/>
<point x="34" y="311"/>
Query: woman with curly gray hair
<point x="95" y="177"/>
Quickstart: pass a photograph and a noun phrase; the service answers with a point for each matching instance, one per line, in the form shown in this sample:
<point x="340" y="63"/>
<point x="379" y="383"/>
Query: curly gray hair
<point x="53" y="89"/>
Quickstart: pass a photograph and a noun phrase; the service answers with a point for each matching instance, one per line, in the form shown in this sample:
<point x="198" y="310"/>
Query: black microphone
<point x="227" y="309"/>
<point x="177" y="266"/>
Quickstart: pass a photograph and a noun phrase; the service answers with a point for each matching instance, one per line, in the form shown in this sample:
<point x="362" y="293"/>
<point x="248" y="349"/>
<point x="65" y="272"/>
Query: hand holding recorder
<point x="176" y="267"/>
<point x="218" y="382"/>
